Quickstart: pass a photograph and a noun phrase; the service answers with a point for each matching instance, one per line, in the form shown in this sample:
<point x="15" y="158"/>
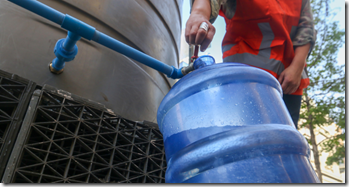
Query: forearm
<point x="202" y="7"/>
<point x="301" y="53"/>
<point x="214" y="6"/>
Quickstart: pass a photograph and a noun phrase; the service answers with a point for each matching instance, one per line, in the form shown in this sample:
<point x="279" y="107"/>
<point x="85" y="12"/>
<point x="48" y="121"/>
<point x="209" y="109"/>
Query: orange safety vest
<point x="260" y="34"/>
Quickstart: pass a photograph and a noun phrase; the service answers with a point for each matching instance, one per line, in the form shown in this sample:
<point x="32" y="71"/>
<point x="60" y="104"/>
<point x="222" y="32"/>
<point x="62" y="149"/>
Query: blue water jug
<point x="227" y="123"/>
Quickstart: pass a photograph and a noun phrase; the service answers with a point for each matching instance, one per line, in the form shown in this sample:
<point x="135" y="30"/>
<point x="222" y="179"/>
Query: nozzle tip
<point x="54" y="71"/>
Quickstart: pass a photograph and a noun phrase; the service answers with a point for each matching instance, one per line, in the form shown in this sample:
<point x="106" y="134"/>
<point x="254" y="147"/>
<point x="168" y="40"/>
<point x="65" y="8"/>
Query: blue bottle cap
<point x="203" y="61"/>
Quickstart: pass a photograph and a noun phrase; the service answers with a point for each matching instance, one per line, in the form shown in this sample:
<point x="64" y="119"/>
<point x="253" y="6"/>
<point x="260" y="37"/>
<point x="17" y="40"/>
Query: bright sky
<point x="216" y="52"/>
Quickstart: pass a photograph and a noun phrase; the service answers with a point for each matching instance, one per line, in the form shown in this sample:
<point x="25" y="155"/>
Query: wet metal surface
<point x="131" y="89"/>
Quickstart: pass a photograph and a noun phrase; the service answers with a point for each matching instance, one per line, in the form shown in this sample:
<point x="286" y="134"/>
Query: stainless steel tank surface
<point x="129" y="88"/>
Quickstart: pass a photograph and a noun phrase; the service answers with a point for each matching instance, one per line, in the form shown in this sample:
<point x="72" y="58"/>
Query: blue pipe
<point x="57" y="65"/>
<point x="126" y="50"/>
<point x="84" y="30"/>
<point x="41" y="9"/>
<point x="65" y="51"/>
<point x="70" y="41"/>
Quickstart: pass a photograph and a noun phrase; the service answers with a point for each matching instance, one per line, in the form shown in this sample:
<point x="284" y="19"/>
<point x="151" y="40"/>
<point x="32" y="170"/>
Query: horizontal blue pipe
<point x="86" y="31"/>
<point x="78" y="27"/>
<point x="128" y="51"/>
<point x="41" y="9"/>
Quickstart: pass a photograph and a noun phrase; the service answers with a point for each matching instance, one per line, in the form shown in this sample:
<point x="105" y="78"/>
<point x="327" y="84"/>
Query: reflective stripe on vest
<point x="263" y="58"/>
<point x="260" y="61"/>
<point x="260" y="34"/>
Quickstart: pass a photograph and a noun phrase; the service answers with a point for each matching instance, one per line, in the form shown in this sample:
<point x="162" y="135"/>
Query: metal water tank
<point x="129" y="88"/>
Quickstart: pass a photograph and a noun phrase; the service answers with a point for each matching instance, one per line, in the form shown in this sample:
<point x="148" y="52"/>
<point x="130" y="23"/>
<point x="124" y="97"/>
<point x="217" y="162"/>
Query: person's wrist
<point x="199" y="14"/>
<point x="202" y="7"/>
<point x="297" y="67"/>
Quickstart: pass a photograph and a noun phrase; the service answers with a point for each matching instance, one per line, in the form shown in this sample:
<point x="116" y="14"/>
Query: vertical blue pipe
<point x="70" y="42"/>
<point x="58" y="64"/>
<point x="65" y="51"/>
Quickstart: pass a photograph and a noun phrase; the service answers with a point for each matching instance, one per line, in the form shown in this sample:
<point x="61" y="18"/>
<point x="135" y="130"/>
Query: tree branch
<point x="315" y="82"/>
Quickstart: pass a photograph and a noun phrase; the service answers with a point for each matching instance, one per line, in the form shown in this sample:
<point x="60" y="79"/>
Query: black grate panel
<point x="15" y="93"/>
<point x="72" y="140"/>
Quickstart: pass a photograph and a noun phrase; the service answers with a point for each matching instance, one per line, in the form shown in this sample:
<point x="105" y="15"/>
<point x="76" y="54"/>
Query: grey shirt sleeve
<point x="306" y="32"/>
<point x="215" y="6"/>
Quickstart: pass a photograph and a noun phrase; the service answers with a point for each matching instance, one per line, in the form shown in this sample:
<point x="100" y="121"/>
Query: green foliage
<point x="324" y="99"/>
<point x="336" y="156"/>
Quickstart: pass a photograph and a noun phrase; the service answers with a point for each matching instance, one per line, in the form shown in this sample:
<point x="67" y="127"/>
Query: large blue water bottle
<point x="227" y="123"/>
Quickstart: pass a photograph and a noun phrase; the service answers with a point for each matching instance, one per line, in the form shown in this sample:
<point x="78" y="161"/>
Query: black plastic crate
<point x="68" y="139"/>
<point x="15" y="93"/>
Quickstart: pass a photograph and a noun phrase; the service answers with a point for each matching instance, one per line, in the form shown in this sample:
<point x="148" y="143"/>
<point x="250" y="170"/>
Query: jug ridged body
<point x="227" y="123"/>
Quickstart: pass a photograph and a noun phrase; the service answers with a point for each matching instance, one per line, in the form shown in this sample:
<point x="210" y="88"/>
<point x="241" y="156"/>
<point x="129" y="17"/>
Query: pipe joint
<point x="78" y="27"/>
<point x="187" y="69"/>
<point x="175" y="73"/>
<point x="63" y="54"/>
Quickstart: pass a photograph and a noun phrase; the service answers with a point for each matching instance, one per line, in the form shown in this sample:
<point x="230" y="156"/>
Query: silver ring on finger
<point x="204" y="26"/>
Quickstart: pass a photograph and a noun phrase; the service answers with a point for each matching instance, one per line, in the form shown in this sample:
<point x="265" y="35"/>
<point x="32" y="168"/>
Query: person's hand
<point x="290" y="79"/>
<point x="194" y="35"/>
